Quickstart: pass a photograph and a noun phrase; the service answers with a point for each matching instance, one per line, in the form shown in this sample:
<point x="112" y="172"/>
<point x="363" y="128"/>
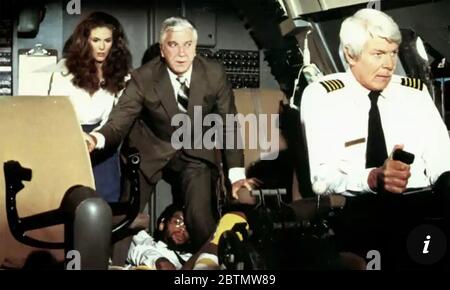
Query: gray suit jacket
<point x="144" y="112"/>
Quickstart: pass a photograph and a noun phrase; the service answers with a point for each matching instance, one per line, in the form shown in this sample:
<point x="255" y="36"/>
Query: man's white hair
<point x="176" y="24"/>
<point x="367" y="23"/>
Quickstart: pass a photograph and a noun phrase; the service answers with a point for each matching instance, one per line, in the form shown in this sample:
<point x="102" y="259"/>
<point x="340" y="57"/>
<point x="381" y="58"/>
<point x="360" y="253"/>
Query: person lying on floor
<point x="169" y="248"/>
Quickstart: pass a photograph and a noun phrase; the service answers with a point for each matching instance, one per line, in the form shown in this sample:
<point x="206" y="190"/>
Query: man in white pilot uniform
<point x="369" y="109"/>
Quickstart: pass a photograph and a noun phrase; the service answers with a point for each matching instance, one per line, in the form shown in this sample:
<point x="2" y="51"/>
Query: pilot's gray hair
<point x="176" y="24"/>
<point x="364" y="24"/>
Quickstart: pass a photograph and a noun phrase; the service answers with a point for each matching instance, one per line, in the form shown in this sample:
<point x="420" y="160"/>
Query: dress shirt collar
<point x="391" y="90"/>
<point x="187" y="75"/>
<point x="356" y="87"/>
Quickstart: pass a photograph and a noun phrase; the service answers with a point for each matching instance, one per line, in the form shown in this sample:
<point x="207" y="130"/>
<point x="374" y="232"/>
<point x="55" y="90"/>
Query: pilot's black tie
<point x="376" y="152"/>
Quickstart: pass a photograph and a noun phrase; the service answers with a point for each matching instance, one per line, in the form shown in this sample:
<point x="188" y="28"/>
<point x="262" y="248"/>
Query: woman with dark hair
<point x="93" y="74"/>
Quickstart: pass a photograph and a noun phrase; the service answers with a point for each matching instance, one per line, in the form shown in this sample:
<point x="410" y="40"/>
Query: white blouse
<point x="89" y="109"/>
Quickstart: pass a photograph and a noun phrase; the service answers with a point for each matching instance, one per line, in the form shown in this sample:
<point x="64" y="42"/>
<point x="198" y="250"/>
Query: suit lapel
<point x="197" y="87"/>
<point x="164" y="91"/>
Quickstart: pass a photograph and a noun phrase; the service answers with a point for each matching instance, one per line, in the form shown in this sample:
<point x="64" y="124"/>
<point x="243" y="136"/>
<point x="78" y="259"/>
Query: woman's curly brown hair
<point x="81" y="63"/>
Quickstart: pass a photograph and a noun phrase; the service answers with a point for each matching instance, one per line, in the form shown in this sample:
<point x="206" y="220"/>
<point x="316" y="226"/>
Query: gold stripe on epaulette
<point x="412" y="83"/>
<point x="332" y="85"/>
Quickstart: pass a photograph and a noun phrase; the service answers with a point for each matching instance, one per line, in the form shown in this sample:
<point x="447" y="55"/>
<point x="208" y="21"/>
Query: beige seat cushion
<point x="260" y="102"/>
<point x="43" y="134"/>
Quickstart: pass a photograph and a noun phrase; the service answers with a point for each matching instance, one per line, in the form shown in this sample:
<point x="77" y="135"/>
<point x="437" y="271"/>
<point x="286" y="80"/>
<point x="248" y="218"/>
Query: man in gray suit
<point x="173" y="84"/>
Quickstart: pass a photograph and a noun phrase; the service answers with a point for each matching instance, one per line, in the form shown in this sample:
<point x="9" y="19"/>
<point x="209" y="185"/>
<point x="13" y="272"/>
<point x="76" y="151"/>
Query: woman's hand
<point x="90" y="140"/>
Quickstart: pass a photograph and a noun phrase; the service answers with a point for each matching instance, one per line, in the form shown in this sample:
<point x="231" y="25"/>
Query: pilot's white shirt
<point x="90" y="110"/>
<point x="335" y="124"/>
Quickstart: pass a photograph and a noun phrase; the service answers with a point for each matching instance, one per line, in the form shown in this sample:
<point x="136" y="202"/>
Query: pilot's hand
<point x="90" y="141"/>
<point x="393" y="175"/>
<point x="249" y="184"/>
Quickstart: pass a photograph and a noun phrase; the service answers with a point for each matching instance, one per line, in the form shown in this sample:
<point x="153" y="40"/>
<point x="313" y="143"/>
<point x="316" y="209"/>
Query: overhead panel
<point x="296" y="8"/>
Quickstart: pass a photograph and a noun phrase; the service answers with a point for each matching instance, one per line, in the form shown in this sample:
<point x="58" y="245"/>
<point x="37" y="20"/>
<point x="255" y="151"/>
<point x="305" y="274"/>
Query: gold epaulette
<point x="412" y="83"/>
<point x="332" y="85"/>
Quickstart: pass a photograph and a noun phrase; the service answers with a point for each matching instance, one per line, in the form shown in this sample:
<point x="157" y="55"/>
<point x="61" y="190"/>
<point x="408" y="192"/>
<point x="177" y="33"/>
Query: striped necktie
<point x="376" y="152"/>
<point x="183" y="94"/>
